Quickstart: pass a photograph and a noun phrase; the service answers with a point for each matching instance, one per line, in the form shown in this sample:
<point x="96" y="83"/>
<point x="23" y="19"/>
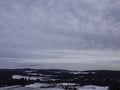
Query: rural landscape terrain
<point x="54" y="79"/>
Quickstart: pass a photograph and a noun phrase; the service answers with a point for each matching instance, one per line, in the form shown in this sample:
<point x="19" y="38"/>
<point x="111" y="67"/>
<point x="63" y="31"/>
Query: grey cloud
<point x="63" y="24"/>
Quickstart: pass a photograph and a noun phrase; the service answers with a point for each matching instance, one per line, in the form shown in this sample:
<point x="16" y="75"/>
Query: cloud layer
<point x="58" y="24"/>
<point x="69" y="24"/>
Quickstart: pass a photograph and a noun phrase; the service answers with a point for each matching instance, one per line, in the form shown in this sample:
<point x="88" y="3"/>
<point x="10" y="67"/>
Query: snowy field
<point x="36" y="86"/>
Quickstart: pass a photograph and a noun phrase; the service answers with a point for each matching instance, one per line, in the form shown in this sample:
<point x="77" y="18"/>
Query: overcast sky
<point x="28" y="26"/>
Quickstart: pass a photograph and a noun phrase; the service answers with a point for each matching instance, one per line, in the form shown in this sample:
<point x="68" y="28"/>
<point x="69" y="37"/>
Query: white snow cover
<point x="75" y="72"/>
<point x="10" y="87"/>
<point x="67" y="84"/>
<point x="36" y="85"/>
<point x="26" y="77"/>
<point x="52" y="89"/>
<point x="93" y="87"/>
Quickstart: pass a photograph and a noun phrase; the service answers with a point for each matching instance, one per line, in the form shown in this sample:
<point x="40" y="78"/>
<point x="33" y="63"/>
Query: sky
<point x="35" y="29"/>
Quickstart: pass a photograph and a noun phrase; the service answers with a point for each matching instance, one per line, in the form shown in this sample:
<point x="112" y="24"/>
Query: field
<point x="54" y="79"/>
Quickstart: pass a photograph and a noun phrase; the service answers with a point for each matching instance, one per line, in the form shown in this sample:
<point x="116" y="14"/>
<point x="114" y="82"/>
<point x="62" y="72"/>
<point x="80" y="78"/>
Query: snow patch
<point x="93" y="87"/>
<point x="26" y="77"/>
<point x="36" y="85"/>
